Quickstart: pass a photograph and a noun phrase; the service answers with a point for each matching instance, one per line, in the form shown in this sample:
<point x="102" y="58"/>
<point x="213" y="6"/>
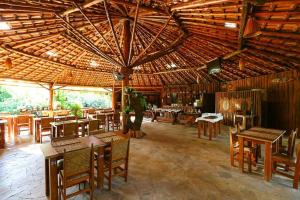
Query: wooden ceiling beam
<point x="9" y="49"/>
<point x="86" y="4"/>
<point x="199" y="3"/>
<point x="114" y="33"/>
<point x="133" y="32"/>
<point x="96" y="29"/>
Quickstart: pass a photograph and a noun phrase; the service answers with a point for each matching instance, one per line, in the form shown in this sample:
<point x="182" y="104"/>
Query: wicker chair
<point x="93" y="127"/>
<point x="286" y="152"/>
<point x="70" y="129"/>
<point x="291" y="162"/>
<point x="102" y="121"/>
<point x="45" y="127"/>
<point x="116" y="122"/>
<point x="22" y="122"/>
<point x="78" y="167"/>
<point x="249" y="151"/>
<point x="116" y="160"/>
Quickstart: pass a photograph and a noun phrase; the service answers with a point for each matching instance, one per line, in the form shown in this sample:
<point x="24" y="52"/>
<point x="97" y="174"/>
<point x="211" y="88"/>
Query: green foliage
<point x="75" y="109"/>
<point x="62" y="100"/>
<point x="4" y="94"/>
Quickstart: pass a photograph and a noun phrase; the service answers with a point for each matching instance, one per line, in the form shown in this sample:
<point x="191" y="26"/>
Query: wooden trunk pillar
<point x="51" y="92"/>
<point x="113" y="98"/>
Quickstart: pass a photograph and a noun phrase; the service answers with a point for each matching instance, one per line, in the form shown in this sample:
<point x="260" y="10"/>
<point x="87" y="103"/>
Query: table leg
<point x="215" y="129"/>
<point x="53" y="180"/>
<point x="210" y="130"/>
<point x="31" y="125"/>
<point x="37" y="131"/>
<point x="241" y="154"/>
<point x="100" y="167"/>
<point x="219" y="127"/>
<point x="47" y="177"/>
<point x="199" y="129"/>
<point x="268" y="161"/>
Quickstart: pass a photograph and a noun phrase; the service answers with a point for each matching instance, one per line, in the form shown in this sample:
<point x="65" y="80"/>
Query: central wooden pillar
<point x="125" y="81"/>
<point x="113" y="98"/>
<point x="51" y="94"/>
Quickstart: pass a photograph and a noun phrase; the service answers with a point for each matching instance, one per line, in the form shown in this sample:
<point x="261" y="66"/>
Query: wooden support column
<point x="51" y="92"/>
<point x="113" y="97"/>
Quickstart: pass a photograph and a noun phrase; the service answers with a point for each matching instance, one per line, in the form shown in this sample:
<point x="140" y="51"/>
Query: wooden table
<point x="2" y="133"/>
<point x="54" y="151"/>
<point x="210" y="120"/>
<point x="259" y="135"/>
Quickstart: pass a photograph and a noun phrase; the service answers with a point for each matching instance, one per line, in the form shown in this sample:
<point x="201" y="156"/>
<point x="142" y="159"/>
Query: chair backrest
<point x="292" y="142"/>
<point x="298" y="158"/>
<point x="70" y="129"/>
<point x="70" y="118"/>
<point x="101" y="118"/>
<point x="78" y="162"/>
<point x="119" y="149"/>
<point x="116" y="117"/>
<point x="45" y="122"/>
<point x="241" y="121"/>
<point x="22" y="119"/>
<point x="93" y="125"/>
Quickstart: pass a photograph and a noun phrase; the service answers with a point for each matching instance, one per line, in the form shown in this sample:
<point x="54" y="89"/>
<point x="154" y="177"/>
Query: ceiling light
<point x="230" y="25"/>
<point x="93" y="63"/>
<point x="4" y="26"/>
<point x="172" y="65"/>
<point x="51" y="53"/>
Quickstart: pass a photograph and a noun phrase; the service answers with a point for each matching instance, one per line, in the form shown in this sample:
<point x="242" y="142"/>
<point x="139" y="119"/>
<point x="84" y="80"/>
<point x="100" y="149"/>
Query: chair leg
<point x="274" y="166"/>
<point x="110" y="179"/>
<point x="296" y="177"/>
<point x="249" y="162"/>
<point x="231" y="156"/>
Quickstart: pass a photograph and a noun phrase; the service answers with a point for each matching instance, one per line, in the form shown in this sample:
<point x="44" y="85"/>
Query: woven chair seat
<point x="283" y="158"/>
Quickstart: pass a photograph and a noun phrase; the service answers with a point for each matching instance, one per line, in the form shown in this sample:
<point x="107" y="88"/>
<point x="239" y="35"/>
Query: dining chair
<point x="291" y="162"/>
<point x="70" y="129"/>
<point x="102" y="121"/>
<point x="78" y="168"/>
<point x="116" y="122"/>
<point x="22" y="123"/>
<point x="286" y="151"/>
<point x="45" y="127"/>
<point x="290" y="147"/>
<point x="93" y="127"/>
<point x="249" y="150"/>
<point x="116" y="160"/>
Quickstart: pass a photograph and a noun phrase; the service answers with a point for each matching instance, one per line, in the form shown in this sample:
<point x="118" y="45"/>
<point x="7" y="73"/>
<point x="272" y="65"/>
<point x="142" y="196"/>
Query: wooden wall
<point x="282" y="103"/>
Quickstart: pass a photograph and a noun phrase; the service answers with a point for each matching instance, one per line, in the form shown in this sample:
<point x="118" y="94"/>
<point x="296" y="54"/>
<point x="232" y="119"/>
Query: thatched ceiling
<point x="170" y="41"/>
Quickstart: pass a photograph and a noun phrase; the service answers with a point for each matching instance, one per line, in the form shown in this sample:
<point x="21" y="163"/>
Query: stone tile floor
<point x="170" y="162"/>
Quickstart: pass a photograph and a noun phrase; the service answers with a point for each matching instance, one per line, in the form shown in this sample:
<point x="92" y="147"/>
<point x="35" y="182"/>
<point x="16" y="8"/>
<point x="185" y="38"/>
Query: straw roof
<point x="165" y="42"/>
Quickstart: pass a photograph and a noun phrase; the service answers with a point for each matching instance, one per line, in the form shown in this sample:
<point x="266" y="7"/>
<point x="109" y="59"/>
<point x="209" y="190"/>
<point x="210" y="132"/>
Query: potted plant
<point x="75" y="109"/>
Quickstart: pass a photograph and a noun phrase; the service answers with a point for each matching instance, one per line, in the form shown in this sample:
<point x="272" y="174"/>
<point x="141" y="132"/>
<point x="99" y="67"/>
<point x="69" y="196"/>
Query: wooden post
<point x="51" y="92"/>
<point x="113" y="98"/>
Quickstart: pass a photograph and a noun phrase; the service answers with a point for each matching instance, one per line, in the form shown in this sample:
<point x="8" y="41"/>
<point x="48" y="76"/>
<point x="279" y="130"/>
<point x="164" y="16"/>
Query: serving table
<point x="258" y="135"/>
<point x="55" y="150"/>
<point x="210" y="120"/>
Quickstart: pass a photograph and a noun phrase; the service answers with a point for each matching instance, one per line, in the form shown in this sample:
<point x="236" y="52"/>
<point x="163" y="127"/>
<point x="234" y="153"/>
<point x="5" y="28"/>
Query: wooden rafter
<point x="133" y="32"/>
<point x="113" y="32"/>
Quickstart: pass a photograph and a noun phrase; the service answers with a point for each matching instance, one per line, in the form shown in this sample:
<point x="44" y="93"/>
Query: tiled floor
<point x="170" y="162"/>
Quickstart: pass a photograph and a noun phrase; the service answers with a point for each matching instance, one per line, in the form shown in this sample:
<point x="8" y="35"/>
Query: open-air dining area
<point x="149" y="99"/>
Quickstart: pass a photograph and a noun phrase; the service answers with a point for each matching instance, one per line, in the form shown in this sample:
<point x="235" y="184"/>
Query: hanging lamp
<point x="8" y="63"/>
<point x="252" y="28"/>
